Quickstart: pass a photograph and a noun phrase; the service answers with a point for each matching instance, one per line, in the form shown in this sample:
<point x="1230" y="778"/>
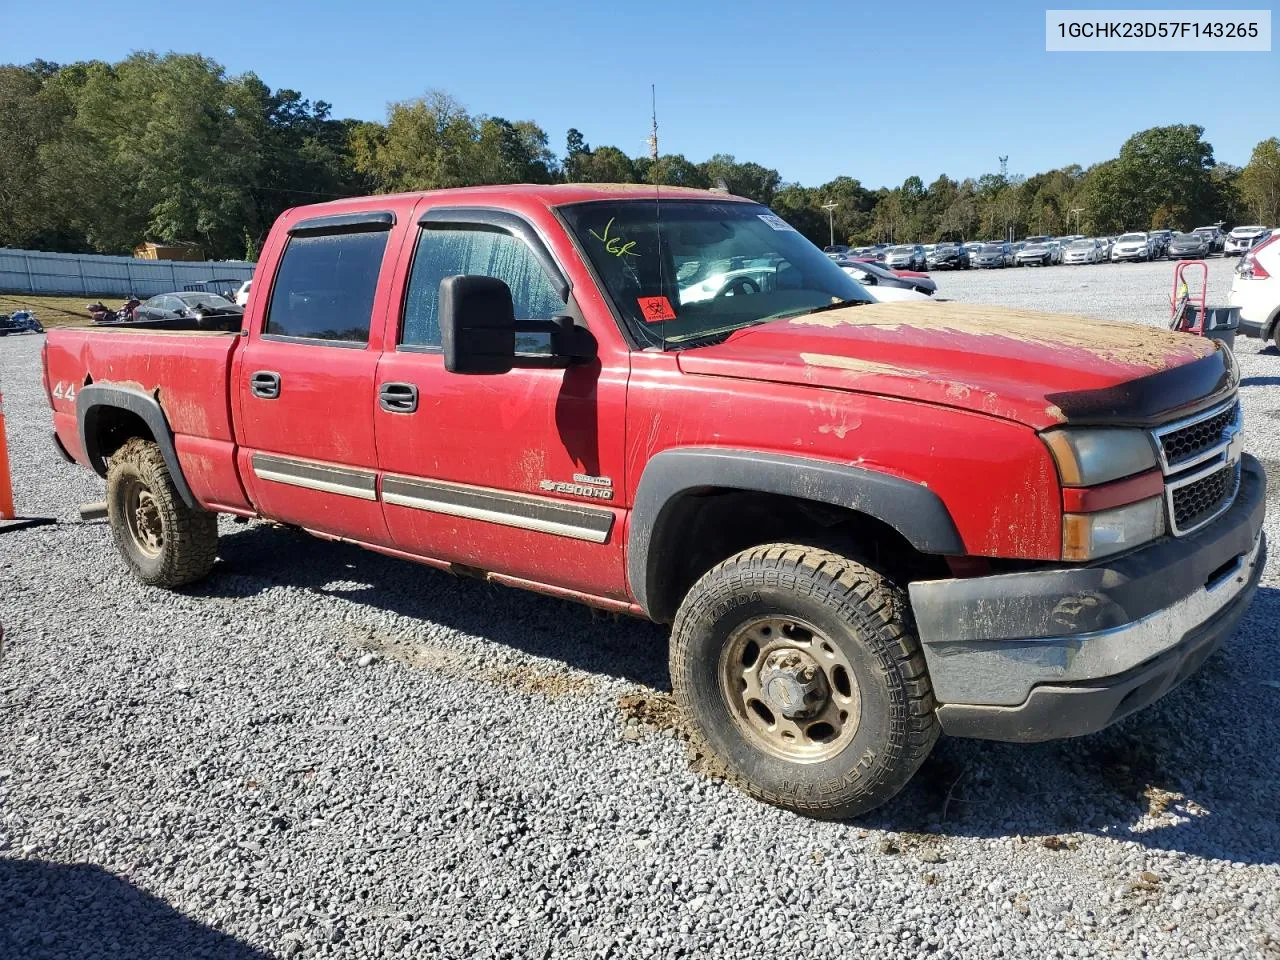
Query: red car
<point x="867" y="523"/>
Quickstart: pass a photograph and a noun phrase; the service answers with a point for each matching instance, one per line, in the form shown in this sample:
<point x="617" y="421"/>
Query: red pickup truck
<point x="866" y="522"/>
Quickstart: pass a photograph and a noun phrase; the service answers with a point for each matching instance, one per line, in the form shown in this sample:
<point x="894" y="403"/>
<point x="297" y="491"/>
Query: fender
<point x="912" y="509"/>
<point x="95" y="398"/>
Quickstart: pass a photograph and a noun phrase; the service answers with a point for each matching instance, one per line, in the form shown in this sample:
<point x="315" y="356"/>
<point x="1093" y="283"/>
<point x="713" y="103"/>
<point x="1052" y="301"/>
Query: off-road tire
<point x="868" y="618"/>
<point x="189" y="535"/>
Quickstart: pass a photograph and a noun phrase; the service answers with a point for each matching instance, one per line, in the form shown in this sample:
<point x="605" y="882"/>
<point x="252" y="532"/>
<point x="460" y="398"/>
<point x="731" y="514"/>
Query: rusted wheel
<point x="164" y="542"/>
<point x="801" y="672"/>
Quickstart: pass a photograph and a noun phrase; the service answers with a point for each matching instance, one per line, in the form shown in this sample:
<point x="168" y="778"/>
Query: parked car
<point x="1189" y="246"/>
<point x="224" y="287"/>
<point x="991" y="255"/>
<point x="1131" y="246"/>
<point x="1035" y="253"/>
<point x="1263" y="237"/>
<point x="840" y="248"/>
<point x="242" y="295"/>
<point x="1255" y="289"/>
<point x="950" y="256"/>
<point x="1084" y="250"/>
<point x="184" y="305"/>
<point x="1241" y="239"/>
<point x="1104" y="248"/>
<point x="793" y="479"/>
<point x="1216" y="238"/>
<point x="20" y="321"/>
<point x="907" y="256"/>
<point x="1056" y="246"/>
<point x="874" y="275"/>
<point x="1160" y="240"/>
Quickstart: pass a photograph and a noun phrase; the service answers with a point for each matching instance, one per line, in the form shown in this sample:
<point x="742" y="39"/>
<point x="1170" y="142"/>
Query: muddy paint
<point x="1111" y="341"/>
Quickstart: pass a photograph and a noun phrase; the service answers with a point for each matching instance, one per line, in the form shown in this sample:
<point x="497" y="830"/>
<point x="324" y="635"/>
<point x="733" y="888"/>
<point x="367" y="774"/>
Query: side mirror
<point x="478" y="330"/>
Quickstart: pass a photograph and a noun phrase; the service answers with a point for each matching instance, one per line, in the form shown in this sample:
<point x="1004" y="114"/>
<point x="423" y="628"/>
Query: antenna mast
<point x="653" y="135"/>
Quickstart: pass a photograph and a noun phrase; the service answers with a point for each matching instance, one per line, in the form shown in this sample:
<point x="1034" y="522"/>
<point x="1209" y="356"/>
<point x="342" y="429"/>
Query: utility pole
<point x="830" y="207"/>
<point x="1004" y="167"/>
<point x="1075" y="212"/>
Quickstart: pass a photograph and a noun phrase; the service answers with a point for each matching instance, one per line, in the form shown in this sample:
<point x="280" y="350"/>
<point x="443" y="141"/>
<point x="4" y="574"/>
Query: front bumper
<point x="1118" y="255"/>
<point x="1068" y="651"/>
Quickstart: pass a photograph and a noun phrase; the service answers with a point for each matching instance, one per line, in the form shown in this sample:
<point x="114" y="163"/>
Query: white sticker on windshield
<point x="775" y="221"/>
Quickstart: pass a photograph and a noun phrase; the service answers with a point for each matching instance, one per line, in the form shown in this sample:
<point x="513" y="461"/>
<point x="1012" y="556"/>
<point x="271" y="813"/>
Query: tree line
<point x="97" y="157"/>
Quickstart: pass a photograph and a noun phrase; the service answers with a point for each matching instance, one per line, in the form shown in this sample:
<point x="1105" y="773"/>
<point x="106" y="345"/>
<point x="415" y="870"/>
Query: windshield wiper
<point x="838" y="305"/>
<point x="697" y="339"/>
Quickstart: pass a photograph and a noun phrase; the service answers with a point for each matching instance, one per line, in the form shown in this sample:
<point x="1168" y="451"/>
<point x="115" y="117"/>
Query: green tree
<point x="1260" y="182"/>
<point x="1163" y="167"/>
<point x="741" y="179"/>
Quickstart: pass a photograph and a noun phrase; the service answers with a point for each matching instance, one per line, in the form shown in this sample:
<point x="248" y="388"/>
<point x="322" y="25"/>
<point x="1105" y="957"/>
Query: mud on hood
<point x="1036" y="368"/>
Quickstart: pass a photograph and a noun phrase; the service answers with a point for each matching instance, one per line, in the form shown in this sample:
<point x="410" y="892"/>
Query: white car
<point x="1256" y="291"/>
<point x="242" y="295"/>
<point x="1241" y="239"/>
<point x="880" y="292"/>
<point x="1131" y="246"/>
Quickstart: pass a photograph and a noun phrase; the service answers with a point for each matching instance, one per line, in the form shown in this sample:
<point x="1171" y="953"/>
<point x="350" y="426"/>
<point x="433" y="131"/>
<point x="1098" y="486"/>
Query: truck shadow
<point x="584" y="639"/>
<point x="58" y="910"/>
<point x="1181" y="775"/>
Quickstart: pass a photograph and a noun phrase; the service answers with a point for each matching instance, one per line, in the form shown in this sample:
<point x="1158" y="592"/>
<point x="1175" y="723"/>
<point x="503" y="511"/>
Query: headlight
<point x="1088" y="536"/>
<point x="1087" y="457"/>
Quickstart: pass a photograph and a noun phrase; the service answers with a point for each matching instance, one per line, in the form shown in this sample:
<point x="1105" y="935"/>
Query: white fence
<point x="83" y="274"/>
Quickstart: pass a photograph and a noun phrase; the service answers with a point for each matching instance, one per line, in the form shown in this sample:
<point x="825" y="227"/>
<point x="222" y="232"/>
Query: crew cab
<point x="867" y="523"/>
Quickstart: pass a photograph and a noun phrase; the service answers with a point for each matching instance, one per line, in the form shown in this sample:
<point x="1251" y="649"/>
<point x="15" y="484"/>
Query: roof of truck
<point x="552" y="194"/>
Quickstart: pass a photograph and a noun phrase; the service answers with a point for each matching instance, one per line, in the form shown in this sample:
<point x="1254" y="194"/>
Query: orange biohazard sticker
<point x="655" y="309"/>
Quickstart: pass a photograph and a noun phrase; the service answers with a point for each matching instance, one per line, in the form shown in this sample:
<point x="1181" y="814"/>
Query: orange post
<point x="6" y="482"/>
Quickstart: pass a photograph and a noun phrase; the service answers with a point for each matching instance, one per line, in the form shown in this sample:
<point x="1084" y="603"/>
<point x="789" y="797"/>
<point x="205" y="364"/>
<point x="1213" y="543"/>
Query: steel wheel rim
<point x="142" y="519"/>
<point x="764" y="664"/>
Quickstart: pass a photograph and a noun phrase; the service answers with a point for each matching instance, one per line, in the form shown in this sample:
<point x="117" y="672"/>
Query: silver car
<point x="906" y="257"/>
<point x="1082" y="251"/>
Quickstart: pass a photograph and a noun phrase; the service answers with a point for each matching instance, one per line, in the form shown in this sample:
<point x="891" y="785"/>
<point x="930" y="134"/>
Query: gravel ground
<point x="339" y="754"/>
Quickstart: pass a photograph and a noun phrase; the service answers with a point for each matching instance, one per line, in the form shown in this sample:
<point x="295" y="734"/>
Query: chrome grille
<point x="1200" y="458"/>
<point x="1198" y="499"/>
<point x="1187" y="444"/>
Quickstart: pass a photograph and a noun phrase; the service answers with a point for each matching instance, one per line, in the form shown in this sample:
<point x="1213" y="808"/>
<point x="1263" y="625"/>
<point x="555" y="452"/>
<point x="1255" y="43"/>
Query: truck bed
<point x="187" y="371"/>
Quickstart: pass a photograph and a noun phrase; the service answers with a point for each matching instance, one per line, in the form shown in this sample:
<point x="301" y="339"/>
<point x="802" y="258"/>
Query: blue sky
<point x="876" y="91"/>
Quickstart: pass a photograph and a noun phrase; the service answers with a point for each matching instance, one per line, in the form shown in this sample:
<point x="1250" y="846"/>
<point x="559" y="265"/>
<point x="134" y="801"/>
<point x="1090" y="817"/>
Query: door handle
<point x="398" y="397"/>
<point x="265" y="384"/>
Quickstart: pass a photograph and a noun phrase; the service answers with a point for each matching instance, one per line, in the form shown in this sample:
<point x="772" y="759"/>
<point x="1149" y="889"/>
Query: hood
<point x="1014" y="364"/>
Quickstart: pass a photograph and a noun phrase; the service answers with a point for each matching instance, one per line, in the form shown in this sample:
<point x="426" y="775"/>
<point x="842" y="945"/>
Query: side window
<point x="324" y="287"/>
<point x="476" y="250"/>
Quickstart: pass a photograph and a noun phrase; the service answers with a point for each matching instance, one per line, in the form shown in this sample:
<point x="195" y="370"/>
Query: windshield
<point x="1134" y="238"/>
<point x="906" y="250"/>
<point x="1081" y="244"/>
<point x="992" y="248"/>
<point x="714" y="267"/>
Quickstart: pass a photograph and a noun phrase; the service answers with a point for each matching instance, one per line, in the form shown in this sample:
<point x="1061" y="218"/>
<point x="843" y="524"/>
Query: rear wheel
<point x="164" y="542"/>
<point x="800" y="672"/>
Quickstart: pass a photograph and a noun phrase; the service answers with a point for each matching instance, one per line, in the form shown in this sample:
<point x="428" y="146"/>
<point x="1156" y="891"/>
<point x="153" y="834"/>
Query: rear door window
<point x="324" y="288"/>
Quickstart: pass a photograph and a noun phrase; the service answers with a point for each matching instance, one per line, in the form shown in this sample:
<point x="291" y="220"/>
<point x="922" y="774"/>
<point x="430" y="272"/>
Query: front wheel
<point x="801" y="674"/>
<point x="164" y="542"/>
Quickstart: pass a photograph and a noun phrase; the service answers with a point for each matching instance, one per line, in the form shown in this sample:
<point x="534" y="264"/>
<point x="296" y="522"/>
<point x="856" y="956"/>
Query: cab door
<point x="305" y="379"/>
<point x="518" y="474"/>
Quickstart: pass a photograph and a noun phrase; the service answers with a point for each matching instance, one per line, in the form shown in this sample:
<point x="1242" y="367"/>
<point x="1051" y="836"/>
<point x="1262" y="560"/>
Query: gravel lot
<point x="324" y="752"/>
